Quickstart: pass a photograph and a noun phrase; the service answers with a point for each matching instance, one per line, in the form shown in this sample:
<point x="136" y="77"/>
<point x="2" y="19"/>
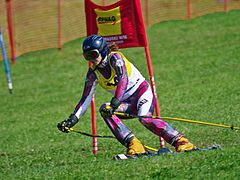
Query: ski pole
<point x="89" y="135"/>
<point x="181" y="120"/>
<point x="103" y="136"/>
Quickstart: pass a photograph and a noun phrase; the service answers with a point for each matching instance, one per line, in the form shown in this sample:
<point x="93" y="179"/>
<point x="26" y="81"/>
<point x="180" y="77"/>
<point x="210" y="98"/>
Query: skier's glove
<point x="65" y="125"/>
<point x="109" y="109"/>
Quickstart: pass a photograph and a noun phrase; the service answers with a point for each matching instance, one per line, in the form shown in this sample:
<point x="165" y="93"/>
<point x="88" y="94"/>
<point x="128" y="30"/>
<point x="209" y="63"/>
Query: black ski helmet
<point x="94" y="44"/>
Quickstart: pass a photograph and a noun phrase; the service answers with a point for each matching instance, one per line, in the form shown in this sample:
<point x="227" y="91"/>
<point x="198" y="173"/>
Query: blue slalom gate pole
<point x="10" y="87"/>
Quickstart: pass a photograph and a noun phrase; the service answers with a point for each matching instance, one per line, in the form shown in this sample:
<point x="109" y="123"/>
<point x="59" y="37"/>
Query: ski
<point x="164" y="151"/>
<point x="161" y="151"/>
<point x="208" y="148"/>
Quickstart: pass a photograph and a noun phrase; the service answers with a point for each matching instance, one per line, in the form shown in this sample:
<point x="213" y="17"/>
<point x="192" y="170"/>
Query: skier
<point x="132" y="94"/>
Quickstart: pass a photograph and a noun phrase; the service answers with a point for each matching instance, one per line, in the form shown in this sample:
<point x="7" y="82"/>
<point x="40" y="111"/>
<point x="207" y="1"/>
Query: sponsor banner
<point x="119" y="23"/>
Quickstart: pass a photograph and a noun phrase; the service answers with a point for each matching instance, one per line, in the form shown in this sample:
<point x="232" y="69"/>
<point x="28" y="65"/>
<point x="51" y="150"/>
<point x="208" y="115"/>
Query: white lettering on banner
<point x="116" y="39"/>
<point x="111" y="38"/>
<point x="123" y="37"/>
<point x="119" y="42"/>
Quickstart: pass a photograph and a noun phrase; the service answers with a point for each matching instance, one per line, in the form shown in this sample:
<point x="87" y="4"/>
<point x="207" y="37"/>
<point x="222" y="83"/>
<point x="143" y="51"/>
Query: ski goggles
<point x="91" y="55"/>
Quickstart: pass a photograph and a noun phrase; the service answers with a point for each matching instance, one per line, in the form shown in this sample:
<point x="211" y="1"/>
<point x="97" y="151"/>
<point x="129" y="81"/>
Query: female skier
<point x="131" y="95"/>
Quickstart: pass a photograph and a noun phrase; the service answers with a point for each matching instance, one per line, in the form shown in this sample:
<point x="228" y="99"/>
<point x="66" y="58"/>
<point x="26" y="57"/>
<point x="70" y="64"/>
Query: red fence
<point x="40" y="24"/>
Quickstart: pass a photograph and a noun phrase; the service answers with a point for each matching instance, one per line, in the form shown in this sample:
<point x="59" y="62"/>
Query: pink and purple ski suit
<point x="121" y="78"/>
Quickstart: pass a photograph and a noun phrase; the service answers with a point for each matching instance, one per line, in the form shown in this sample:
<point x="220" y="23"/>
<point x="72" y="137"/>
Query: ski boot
<point x="135" y="147"/>
<point x="183" y="145"/>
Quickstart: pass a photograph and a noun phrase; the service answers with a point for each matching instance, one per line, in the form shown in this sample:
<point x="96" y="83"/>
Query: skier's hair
<point x="113" y="47"/>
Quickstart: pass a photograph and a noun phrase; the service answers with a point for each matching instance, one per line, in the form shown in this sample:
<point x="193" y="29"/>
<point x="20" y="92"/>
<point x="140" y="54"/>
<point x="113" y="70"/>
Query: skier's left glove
<point x="109" y="109"/>
<point x="65" y="125"/>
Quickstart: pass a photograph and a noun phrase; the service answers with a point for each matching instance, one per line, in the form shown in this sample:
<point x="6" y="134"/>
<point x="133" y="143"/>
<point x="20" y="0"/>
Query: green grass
<point x="196" y="65"/>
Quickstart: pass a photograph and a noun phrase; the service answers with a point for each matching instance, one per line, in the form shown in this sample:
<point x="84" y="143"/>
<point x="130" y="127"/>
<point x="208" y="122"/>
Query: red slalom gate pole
<point x="59" y="25"/>
<point x="162" y="144"/>
<point x="189" y="11"/>
<point x="225" y="5"/>
<point x="147" y="13"/>
<point x="10" y="28"/>
<point x="94" y="124"/>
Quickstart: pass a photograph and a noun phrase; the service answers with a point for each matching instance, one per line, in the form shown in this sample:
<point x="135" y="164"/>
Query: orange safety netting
<point x="42" y="24"/>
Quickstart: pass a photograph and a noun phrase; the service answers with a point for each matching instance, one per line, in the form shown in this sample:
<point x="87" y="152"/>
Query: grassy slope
<point x="196" y="65"/>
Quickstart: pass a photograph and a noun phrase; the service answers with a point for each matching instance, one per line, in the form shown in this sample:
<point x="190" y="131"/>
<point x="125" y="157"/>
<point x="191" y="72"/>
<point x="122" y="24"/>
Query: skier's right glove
<point x="107" y="111"/>
<point x="65" y="125"/>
